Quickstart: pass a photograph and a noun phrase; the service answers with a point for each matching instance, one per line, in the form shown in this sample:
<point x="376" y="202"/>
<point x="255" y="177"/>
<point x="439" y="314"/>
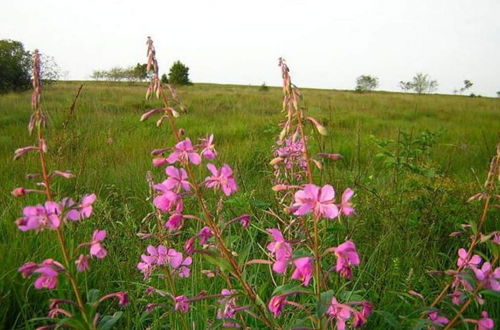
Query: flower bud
<point x="19" y="192"/>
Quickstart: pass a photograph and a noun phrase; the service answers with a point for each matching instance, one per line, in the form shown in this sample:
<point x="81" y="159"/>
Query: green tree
<point x="140" y="72"/>
<point x="164" y="79"/>
<point x="421" y="84"/>
<point x="15" y="66"/>
<point x="366" y="83"/>
<point x="179" y="74"/>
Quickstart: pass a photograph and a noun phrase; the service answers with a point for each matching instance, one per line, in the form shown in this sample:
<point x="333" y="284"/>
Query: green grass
<point x="402" y="222"/>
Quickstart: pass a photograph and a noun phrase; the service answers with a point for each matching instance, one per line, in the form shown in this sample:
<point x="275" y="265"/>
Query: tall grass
<point x="401" y="229"/>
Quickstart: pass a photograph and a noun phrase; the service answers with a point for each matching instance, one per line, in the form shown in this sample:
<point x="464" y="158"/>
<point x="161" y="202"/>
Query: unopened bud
<point x="18" y="192"/>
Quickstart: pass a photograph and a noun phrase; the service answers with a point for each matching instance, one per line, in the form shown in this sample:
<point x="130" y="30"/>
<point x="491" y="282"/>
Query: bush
<point x="179" y="74"/>
<point x="14" y="66"/>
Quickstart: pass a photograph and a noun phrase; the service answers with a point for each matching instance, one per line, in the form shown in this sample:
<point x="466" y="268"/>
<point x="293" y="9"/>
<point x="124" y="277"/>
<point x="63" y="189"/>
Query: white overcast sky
<point x="327" y="43"/>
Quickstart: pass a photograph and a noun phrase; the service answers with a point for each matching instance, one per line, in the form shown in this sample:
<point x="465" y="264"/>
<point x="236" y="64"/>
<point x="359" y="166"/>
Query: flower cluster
<point x="162" y="256"/>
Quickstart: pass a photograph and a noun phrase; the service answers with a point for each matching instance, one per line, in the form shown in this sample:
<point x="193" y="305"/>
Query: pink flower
<point x="27" y="269"/>
<point x="49" y="269"/>
<point x="435" y="318"/>
<point x="208" y="150"/>
<point x="82" y="263"/>
<point x="320" y="201"/>
<point x="184" y="152"/>
<point x="223" y="178"/>
<point x="40" y="217"/>
<point x="488" y="277"/>
<point x="303" y="270"/>
<point x="276" y="305"/>
<point x="463" y="261"/>
<point x="182" y="304"/>
<point x="205" y="234"/>
<point x="84" y="209"/>
<point x="96" y="249"/>
<point x="168" y="200"/>
<point x="175" y="221"/>
<point x="281" y="249"/>
<point x="360" y="317"/>
<point x="485" y="323"/>
<point x="347" y="256"/>
<point x="177" y="179"/>
<point x="345" y="206"/>
<point x="340" y="312"/>
<point x="457" y="297"/>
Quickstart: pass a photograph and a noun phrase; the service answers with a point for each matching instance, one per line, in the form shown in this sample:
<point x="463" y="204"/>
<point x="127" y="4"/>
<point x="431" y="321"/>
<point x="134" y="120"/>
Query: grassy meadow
<point x="404" y="212"/>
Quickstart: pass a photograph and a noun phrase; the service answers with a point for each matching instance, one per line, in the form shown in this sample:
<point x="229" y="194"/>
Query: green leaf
<point x="389" y="319"/>
<point x="324" y="302"/>
<point x="107" y="321"/>
<point x="291" y="287"/>
<point x="93" y="295"/>
<point x="493" y="294"/>
<point x="218" y="261"/>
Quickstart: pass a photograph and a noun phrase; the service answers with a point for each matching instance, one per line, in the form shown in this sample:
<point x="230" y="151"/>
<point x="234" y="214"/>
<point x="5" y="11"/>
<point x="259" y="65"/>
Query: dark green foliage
<point x="366" y="83"/>
<point x="15" y="65"/>
<point x="164" y="79"/>
<point x="179" y="74"/>
<point x="263" y="87"/>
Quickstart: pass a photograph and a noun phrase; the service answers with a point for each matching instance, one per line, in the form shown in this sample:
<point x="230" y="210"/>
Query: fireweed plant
<point x="54" y="215"/>
<point x="170" y="198"/>
<point x="476" y="277"/>
<point x="299" y="246"/>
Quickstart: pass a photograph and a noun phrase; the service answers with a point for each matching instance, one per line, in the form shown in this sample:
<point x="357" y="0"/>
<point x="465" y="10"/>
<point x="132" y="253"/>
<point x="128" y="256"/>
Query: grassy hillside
<point x="404" y="214"/>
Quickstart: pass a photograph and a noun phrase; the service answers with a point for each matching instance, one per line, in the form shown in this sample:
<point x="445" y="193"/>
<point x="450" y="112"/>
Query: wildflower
<point x="49" y="269"/>
<point x="303" y="270"/>
<point x="175" y="221"/>
<point x="340" y="312"/>
<point x="318" y="200"/>
<point x="208" y="150"/>
<point x="276" y="305"/>
<point x="168" y="200"/>
<point x="488" y="277"/>
<point x="84" y="209"/>
<point x="347" y="256"/>
<point x="485" y="323"/>
<point x="82" y="263"/>
<point x="205" y="234"/>
<point x="184" y="152"/>
<point x="177" y="179"/>
<point x="435" y="318"/>
<point x="463" y="261"/>
<point x="40" y="217"/>
<point x="181" y="303"/>
<point x="27" y="269"/>
<point x="96" y="249"/>
<point x="281" y="249"/>
<point x="223" y="178"/>
<point x="345" y="206"/>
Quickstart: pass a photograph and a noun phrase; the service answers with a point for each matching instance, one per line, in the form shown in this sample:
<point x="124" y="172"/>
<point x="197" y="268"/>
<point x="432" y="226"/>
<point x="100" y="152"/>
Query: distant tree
<point x="263" y="87"/>
<point x="179" y="74"/>
<point x="50" y="70"/>
<point x="467" y="84"/>
<point x="164" y="79"/>
<point x="366" y="83"/>
<point x="98" y="74"/>
<point x="140" y="72"/>
<point x="15" y="66"/>
<point x="421" y="83"/>
<point x="498" y="94"/>
<point x="405" y="85"/>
